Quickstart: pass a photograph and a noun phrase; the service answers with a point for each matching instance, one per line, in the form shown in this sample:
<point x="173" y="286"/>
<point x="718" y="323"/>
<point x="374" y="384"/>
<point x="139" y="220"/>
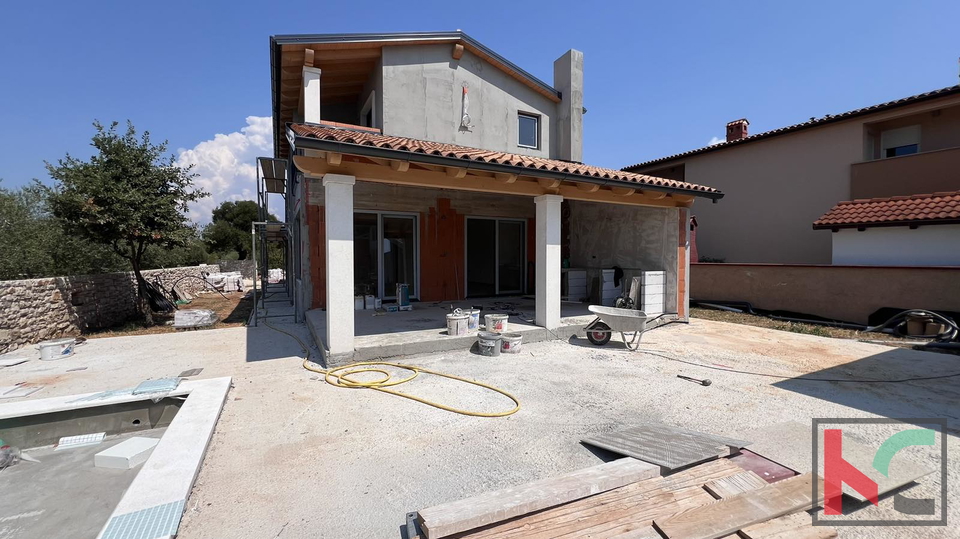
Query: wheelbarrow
<point x="615" y="319"/>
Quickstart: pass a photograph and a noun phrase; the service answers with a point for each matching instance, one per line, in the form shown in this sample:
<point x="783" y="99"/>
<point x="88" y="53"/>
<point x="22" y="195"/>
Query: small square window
<point x="902" y="150"/>
<point x="529" y="130"/>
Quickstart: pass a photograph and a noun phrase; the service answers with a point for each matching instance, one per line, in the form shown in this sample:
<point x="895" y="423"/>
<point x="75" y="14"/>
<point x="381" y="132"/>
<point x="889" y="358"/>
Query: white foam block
<point x="127" y="454"/>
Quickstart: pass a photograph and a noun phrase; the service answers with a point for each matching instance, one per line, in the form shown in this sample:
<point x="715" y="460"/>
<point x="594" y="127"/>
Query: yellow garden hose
<point x="340" y="377"/>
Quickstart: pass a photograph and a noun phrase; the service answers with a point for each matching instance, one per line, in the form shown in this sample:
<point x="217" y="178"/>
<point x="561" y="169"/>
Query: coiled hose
<point x="341" y="377"/>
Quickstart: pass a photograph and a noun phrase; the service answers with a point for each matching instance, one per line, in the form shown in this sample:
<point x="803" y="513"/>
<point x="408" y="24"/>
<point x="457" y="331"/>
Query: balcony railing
<point x="919" y="173"/>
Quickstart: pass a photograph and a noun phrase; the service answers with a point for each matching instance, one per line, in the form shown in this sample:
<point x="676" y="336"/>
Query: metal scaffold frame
<point x="271" y="178"/>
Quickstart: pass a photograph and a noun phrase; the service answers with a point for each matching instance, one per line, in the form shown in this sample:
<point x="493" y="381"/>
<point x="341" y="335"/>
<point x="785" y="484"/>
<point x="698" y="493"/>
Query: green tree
<point x="129" y="196"/>
<point x="34" y="244"/>
<point x="230" y="229"/>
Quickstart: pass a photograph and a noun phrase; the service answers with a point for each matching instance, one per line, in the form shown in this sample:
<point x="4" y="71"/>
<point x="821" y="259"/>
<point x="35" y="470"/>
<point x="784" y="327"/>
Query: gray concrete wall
<point x="33" y="310"/>
<point x="422" y="89"/>
<point x="636" y="238"/>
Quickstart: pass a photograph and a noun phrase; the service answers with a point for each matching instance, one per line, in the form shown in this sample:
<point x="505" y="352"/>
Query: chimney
<point x="737" y="129"/>
<point x="568" y="80"/>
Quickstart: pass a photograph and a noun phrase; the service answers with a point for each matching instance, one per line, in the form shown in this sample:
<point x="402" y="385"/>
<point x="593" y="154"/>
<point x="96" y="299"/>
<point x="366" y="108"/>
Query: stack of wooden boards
<point x="711" y="500"/>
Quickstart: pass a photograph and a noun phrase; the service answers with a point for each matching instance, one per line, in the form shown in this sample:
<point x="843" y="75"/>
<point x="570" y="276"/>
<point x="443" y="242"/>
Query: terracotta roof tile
<point x="942" y="92"/>
<point x="899" y="210"/>
<point x="323" y="132"/>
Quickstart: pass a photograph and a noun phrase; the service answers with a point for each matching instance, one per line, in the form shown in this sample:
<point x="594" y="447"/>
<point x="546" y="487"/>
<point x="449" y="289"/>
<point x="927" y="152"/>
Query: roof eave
<point x="440" y="160"/>
<point x="882" y="224"/>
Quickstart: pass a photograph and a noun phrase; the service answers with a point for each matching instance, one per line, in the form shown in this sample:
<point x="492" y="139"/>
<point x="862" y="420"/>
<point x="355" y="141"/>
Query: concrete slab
<point x="424" y="329"/>
<point x="128" y="454"/>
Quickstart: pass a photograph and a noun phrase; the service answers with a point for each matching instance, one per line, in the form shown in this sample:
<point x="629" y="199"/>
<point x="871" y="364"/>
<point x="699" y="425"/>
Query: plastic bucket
<point x="488" y="343"/>
<point x="457" y="324"/>
<point x="496" y="323"/>
<point x="511" y="343"/>
<point x="56" y="349"/>
<point x="473" y="322"/>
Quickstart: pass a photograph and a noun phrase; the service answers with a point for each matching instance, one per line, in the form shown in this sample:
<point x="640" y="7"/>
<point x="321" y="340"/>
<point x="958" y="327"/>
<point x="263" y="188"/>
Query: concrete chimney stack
<point x="568" y="80"/>
<point x="737" y="129"/>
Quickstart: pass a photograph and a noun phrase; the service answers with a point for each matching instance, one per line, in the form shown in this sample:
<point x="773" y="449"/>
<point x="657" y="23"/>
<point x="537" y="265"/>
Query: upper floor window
<point x="528" y="130"/>
<point x="900" y="141"/>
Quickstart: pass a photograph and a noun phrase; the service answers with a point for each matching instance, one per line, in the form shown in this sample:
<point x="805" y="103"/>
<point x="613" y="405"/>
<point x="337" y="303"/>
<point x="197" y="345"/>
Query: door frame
<point x="496" y="254"/>
<point x="381" y="293"/>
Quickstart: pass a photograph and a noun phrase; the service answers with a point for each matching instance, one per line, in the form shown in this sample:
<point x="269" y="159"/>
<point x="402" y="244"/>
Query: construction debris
<point x="194" y="318"/>
<point x="81" y="440"/>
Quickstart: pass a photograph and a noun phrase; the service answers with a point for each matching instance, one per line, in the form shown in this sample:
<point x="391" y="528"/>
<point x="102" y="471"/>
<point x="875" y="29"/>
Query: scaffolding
<point x="271" y="179"/>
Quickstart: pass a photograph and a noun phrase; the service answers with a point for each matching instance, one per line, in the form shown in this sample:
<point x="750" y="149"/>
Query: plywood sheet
<point x="731" y="514"/>
<point x="450" y="518"/>
<point x="665" y="445"/>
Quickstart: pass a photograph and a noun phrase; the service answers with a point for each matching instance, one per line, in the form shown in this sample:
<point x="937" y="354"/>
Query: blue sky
<point x="661" y="77"/>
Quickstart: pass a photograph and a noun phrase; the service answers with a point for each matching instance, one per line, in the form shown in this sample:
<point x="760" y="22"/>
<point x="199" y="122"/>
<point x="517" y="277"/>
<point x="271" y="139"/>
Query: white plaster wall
<point x="422" y="89"/>
<point x="931" y="245"/>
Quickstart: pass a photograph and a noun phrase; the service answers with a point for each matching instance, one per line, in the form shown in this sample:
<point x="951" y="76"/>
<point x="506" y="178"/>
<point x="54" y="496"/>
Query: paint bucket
<point x="56" y="349"/>
<point x="510" y="343"/>
<point x="496" y="323"/>
<point x="473" y="322"/>
<point x="488" y="344"/>
<point x="457" y="324"/>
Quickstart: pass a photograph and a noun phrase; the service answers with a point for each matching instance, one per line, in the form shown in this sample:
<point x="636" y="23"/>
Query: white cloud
<point x="715" y="140"/>
<point x="226" y="166"/>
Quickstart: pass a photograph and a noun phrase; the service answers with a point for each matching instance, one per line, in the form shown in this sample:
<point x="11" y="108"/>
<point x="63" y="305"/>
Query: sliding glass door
<point x="385" y="253"/>
<point x="495" y="256"/>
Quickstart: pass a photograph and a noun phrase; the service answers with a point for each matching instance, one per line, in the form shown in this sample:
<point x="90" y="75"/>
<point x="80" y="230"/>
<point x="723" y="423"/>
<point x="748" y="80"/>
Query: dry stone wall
<point x="33" y="310"/>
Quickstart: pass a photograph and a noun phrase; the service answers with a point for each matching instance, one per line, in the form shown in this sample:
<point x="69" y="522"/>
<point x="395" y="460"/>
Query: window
<point x="529" y="130"/>
<point x="900" y="141"/>
<point x="368" y="113"/>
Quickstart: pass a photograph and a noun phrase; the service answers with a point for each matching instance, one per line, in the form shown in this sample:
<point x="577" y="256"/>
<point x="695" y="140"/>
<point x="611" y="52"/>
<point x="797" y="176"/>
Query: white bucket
<point x="488" y="344"/>
<point x="473" y="323"/>
<point x="511" y="343"/>
<point x="56" y="349"/>
<point x="496" y="323"/>
<point x="457" y="324"/>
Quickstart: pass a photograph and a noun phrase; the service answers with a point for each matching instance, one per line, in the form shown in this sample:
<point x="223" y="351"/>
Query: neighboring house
<point x="428" y="159"/>
<point x="919" y="230"/>
<point x="779" y="182"/>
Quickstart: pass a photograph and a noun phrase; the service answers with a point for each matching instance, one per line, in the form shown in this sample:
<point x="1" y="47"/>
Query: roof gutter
<point x="440" y="160"/>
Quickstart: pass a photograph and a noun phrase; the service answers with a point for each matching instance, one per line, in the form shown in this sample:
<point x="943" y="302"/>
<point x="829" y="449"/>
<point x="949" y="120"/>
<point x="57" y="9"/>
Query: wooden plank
<point x="795" y="526"/>
<point x="731" y="514"/>
<point x="450" y="518"/>
<point x="735" y="484"/>
<point x="675" y="493"/>
<point x="646" y="532"/>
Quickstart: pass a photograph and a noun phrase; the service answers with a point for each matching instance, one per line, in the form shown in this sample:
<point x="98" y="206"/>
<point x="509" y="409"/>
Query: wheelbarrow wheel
<point x="599" y="334"/>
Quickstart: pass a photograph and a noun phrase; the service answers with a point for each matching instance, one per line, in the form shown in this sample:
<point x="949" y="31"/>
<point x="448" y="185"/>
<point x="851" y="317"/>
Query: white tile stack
<point x="609" y="292"/>
<point x="652" y="292"/>
<point x="575" y="284"/>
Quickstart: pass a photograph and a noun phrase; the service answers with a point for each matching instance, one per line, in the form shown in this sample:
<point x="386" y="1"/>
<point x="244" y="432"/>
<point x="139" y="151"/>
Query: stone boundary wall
<point x="844" y="293"/>
<point x="34" y="310"/>
<point x="245" y="267"/>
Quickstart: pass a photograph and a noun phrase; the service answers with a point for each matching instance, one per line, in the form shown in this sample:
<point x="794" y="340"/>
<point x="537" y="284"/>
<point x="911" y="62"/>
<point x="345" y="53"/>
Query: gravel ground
<point x="295" y="457"/>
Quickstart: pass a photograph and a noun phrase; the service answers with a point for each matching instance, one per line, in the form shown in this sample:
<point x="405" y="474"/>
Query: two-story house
<point x="881" y="178"/>
<point x="430" y="160"/>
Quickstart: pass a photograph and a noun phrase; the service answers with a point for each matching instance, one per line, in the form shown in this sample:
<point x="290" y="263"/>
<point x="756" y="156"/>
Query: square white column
<point x="548" y="261"/>
<point x="338" y="221"/>
<point x="310" y="95"/>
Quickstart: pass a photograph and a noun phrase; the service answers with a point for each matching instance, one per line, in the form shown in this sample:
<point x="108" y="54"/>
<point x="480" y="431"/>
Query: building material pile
<point x="678" y="506"/>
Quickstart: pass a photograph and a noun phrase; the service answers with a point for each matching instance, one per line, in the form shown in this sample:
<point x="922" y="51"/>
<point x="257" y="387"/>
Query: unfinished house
<point x="429" y="161"/>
